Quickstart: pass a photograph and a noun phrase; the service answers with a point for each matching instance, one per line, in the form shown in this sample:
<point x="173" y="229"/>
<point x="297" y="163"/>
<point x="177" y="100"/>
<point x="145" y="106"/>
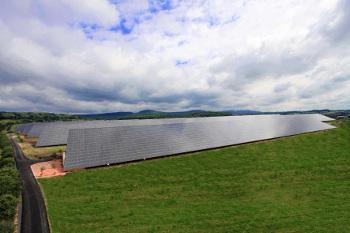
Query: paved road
<point x="34" y="216"/>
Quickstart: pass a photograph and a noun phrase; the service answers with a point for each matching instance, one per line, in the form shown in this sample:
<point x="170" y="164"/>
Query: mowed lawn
<point x="296" y="184"/>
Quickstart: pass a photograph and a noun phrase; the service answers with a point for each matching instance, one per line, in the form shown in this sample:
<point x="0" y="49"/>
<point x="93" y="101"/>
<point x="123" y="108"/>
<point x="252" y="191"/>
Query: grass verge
<point x="296" y="184"/>
<point x="30" y="151"/>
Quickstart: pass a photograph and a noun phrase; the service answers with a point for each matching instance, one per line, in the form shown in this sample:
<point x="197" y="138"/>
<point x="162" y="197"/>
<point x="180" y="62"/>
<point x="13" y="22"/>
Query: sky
<point x="80" y="56"/>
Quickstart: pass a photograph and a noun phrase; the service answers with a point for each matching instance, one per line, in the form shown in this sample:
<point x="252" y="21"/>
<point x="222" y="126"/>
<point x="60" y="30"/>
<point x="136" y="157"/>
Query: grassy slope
<point x="297" y="184"/>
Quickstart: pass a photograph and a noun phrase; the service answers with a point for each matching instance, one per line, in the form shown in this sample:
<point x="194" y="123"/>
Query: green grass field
<point x="296" y="184"/>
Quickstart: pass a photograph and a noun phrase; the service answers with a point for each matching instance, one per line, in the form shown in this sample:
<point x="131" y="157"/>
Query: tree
<point x="9" y="181"/>
<point x="7" y="162"/>
<point x="7" y="203"/>
<point x="6" y="226"/>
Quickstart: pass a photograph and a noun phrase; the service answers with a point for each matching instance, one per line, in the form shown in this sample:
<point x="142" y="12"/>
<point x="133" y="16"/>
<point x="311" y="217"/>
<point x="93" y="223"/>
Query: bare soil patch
<point x="48" y="169"/>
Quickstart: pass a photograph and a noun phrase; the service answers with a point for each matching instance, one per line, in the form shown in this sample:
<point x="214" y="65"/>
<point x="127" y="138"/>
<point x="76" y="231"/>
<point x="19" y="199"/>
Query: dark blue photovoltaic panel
<point x="36" y="129"/>
<point x="92" y="147"/>
<point x="27" y="127"/>
<point x="57" y="133"/>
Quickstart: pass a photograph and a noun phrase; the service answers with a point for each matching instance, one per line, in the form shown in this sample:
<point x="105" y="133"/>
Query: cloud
<point x="74" y="56"/>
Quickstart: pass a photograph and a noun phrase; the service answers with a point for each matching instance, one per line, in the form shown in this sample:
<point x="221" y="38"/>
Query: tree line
<point x="22" y="117"/>
<point x="10" y="184"/>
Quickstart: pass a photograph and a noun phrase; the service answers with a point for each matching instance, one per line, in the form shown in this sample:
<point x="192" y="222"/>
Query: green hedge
<point x="10" y="184"/>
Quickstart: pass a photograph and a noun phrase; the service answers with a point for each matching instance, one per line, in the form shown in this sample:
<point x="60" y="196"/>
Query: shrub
<point x="7" y="151"/>
<point x="20" y="139"/>
<point x="3" y="140"/>
<point x="10" y="184"/>
<point x="9" y="181"/>
<point x="7" y="206"/>
<point x="7" y="162"/>
<point x="6" y="226"/>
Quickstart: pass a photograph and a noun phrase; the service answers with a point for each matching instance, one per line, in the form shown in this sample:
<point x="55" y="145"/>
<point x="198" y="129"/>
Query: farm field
<point x="295" y="184"/>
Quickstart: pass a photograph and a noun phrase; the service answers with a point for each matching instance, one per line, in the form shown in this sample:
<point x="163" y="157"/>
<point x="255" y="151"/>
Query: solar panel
<point x="57" y="134"/>
<point x="92" y="147"/>
<point x="27" y="127"/>
<point x="36" y="129"/>
<point x="31" y="129"/>
<point x="19" y="128"/>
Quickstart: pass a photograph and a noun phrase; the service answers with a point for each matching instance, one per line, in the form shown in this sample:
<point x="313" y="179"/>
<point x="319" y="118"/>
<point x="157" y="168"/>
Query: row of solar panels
<point x="56" y="133"/>
<point x="91" y="147"/>
<point x="96" y="143"/>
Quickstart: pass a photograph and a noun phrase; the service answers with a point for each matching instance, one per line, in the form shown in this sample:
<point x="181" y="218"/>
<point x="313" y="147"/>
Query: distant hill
<point x="244" y="112"/>
<point x="148" y="111"/>
<point x="110" y="115"/>
<point x="326" y="112"/>
<point x="150" y="114"/>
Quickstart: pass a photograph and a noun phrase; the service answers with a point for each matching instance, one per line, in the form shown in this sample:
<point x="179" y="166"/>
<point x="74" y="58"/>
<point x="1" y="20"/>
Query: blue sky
<point x="100" y="56"/>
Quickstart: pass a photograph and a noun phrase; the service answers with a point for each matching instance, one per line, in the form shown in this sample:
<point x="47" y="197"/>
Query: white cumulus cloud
<point x="99" y="55"/>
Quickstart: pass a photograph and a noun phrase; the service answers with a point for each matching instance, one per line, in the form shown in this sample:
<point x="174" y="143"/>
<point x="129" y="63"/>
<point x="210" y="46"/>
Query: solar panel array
<point x="34" y="129"/>
<point x="24" y="128"/>
<point x="19" y="128"/>
<point x="54" y="134"/>
<point x="92" y="147"/>
<point x="57" y="133"/>
<point x="37" y="128"/>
